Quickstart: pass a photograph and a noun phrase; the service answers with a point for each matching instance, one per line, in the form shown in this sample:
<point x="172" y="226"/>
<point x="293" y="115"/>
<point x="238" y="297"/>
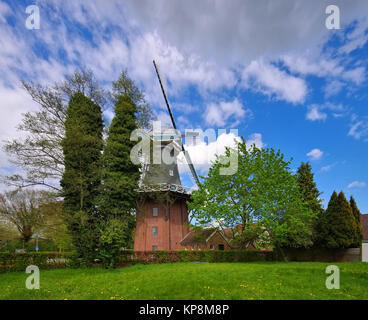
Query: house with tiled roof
<point x="206" y="239"/>
<point x="212" y="239"/>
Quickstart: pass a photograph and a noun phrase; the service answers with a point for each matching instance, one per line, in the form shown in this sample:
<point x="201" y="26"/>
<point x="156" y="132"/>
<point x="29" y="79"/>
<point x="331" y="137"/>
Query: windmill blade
<point x="191" y="167"/>
<point x="186" y="154"/>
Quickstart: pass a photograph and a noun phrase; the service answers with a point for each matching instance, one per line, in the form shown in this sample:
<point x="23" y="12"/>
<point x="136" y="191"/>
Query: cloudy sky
<point x="270" y="69"/>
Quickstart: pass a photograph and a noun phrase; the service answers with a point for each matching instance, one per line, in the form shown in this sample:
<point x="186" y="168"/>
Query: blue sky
<point x="270" y="69"/>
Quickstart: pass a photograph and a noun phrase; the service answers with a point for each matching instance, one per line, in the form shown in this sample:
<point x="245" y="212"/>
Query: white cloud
<point x="313" y="65"/>
<point x="13" y="103"/>
<point x="203" y="154"/>
<point x="357" y="184"/>
<point x="4" y="11"/>
<point x="357" y="38"/>
<point x="326" y="168"/>
<point x="358" y="127"/>
<point x="255" y="139"/>
<point x="333" y="69"/>
<point x="268" y="79"/>
<point x="219" y="114"/>
<point x="315" y="154"/>
<point x="356" y="75"/>
<point x="314" y="114"/>
<point x="265" y="28"/>
<point x="332" y="88"/>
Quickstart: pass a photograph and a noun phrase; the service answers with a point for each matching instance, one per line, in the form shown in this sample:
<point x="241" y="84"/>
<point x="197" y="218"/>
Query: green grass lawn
<point x="193" y="281"/>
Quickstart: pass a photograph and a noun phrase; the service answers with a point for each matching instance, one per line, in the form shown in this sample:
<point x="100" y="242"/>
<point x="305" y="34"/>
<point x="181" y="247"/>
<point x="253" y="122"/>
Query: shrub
<point x="129" y="256"/>
<point x="43" y="260"/>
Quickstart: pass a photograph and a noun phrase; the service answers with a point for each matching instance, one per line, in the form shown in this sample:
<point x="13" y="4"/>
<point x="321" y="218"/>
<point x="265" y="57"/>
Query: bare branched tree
<point x="21" y="208"/>
<point x="39" y="154"/>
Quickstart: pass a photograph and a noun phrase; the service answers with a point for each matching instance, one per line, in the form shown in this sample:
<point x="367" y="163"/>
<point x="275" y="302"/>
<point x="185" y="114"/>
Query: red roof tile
<point x="197" y="236"/>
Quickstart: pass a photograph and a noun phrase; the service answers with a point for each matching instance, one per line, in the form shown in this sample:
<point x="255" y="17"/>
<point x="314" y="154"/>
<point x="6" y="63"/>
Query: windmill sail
<point x="186" y="154"/>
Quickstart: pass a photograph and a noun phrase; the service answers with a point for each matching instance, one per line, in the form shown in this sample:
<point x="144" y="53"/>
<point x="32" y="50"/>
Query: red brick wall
<point x="171" y="226"/>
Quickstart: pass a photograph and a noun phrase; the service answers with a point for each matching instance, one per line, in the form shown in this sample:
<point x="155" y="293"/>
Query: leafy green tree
<point x="82" y="149"/>
<point x="263" y="189"/>
<point x="120" y="175"/>
<point x="337" y="227"/>
<point x="54" y="226"/>
<point x="358" y="222"/>
<point x="112" y="238"/>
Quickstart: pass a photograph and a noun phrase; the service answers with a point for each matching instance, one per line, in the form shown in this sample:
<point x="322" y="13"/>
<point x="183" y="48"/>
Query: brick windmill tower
<point x="162" y="212"/>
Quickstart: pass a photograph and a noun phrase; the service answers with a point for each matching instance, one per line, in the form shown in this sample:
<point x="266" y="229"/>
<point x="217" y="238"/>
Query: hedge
<point x="43" y="260"/>
<point x="49" y="260"/>
<point x="147" y="257"/>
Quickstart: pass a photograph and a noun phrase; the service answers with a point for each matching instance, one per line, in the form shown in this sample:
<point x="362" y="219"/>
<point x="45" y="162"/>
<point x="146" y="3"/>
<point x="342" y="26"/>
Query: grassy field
<point x="193" y="281"/>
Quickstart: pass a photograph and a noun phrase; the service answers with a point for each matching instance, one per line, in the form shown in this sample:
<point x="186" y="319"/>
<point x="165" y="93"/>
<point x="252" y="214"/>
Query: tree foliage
<point x="358" y="223"/>
<point x="39" y="152"/>
<point x="120" y="175"/>
<point x="82" y="148"/>
<point x="118" y="194"/>
<point x="308" y="188"/>
<point x="263" y="190"/>
<point x="125" y="86"/>
<point x="113" y="236"/>
<point x="337" y="226"/>
<point x="54" y="226"/>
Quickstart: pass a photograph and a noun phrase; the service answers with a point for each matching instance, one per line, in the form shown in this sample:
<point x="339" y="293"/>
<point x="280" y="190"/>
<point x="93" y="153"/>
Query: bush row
<point x="129" y="256"/>
<point x="43" y="260"/>
<point x="49" y="260"/>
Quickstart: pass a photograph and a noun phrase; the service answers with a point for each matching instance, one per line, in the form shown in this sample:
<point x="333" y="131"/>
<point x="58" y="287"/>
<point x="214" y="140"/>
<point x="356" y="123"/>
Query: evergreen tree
<point x="120" y="174"/>
<point x="81" y="180"/>
<point x="308" y="188"/>
<point x="358" y="222"/>
<point x="337" y="225"/>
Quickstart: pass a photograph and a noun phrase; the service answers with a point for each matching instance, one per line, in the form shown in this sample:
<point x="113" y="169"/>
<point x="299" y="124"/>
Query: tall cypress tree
<point x="310" y="194"/>
<point x="358" y="223"/>
<point x="337" y="225"/>
<point x="308" y="188"/>
<point x="82" y="147"/>
<point x="120" y="174"/>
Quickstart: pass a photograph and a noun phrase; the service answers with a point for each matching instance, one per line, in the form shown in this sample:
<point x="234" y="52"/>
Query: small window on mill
<point x="155" y="212"/>
<point x="154" y="231"/>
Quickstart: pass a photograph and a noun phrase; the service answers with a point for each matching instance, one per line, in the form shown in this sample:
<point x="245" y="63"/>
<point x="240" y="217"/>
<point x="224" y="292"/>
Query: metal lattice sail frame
<point x="186" y="154"/>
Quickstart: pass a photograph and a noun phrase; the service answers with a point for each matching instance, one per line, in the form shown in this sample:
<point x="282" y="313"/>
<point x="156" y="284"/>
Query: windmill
<point x="162" y="214"/>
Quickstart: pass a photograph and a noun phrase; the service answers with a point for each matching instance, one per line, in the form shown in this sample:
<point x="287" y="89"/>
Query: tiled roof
<point x="194" y="237"/>
<point x="365" y="226"/>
